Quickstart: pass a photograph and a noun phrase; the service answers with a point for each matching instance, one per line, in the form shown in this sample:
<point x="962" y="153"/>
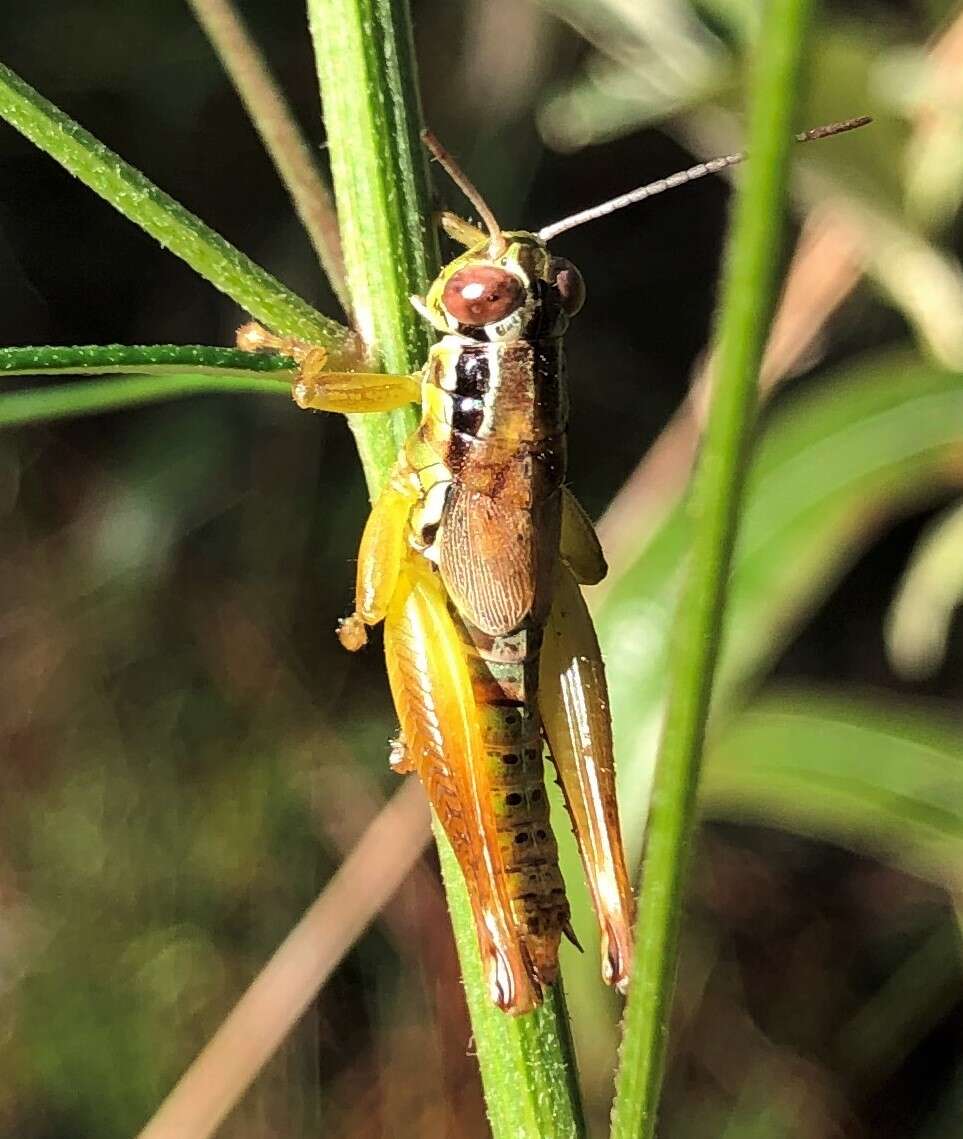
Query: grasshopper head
<point x="510" y="291"/>
<point x="507" y="286"/>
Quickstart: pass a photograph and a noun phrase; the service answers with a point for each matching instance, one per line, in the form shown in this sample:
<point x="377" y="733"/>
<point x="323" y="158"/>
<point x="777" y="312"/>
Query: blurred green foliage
<point x="187" y="753"/>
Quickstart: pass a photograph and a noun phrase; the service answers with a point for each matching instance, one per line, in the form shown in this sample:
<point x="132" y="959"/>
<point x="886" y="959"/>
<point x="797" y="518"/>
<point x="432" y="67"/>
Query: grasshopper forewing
<point x="473" y="557"/>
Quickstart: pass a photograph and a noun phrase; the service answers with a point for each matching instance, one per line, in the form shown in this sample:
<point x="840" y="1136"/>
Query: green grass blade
<point x="372" y="114"/>
<point x="63" y="401"/>
<point x="128" y="191"/>
<point x="141" y="359"/>
<point x="748" y="299"/>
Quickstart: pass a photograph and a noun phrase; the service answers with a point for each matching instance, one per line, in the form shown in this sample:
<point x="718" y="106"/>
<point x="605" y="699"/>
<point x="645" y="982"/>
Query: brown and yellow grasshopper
<point x="473" y="556"/>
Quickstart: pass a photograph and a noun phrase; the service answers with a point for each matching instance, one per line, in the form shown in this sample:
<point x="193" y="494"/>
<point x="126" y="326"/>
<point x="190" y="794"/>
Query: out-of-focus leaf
<point x="62" y="401"/>
<point x="832" y="465"/>
<point x="924" y="85"/>
<point x="917" y="625"/>
<point x="653" y="60"/>
<point x="934" y="171"/>
<point x="923" y="281"/>
<point x="885" y="782"/>
<point x="648" y="70"/>
<point x="893" y="184"/>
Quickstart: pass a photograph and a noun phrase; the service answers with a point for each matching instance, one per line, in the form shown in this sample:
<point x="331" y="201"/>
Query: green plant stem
<point x="152" y="359"/>
<point x="749" y="292"/>
<point x="366" y="71"/>
<point x="128" y="191"/>
<point x="41" y="405"/>
<point x="273" y="120"/>
<point x="372" y="114"/>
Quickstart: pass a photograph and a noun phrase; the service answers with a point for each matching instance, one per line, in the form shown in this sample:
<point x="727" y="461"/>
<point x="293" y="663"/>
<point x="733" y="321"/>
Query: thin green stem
<point x="273" y="120"/>
<point x="372" y="114"/>
<point x="128" y="191"/>
<point x="140" y="359"/>
<point x="62" y="401"/>
<point x="748" y="294"/>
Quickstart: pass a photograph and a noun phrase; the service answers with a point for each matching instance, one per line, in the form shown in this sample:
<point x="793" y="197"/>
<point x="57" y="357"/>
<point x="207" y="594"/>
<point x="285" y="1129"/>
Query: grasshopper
<point x="473" y="556"/>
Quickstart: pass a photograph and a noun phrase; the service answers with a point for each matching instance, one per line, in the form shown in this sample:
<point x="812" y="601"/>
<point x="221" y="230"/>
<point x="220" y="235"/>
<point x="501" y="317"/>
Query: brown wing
<point x="496" y="559"/>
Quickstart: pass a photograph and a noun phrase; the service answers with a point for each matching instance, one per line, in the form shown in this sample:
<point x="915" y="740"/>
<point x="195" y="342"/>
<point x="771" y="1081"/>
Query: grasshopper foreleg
<point x="321" y="390"/>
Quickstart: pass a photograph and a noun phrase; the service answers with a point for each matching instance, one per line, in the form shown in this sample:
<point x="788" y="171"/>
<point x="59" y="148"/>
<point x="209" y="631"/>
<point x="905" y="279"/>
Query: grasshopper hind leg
<point x="399" y="757"/>
<point x="573" y="699"/>
<point x="433" y="696"/>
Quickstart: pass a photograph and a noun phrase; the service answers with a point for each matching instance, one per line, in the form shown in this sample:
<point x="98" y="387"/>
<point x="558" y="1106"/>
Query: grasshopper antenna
<point x="713" y="166"/>
<point x="497" y="244"/>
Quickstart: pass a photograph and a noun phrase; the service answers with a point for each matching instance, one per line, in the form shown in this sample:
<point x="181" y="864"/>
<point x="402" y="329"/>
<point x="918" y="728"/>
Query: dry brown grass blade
<point x="287" y="984"/>
<point x="272" y="118"/>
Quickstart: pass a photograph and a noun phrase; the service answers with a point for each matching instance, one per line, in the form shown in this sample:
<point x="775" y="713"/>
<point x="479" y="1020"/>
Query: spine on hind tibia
<point x="504" y="675"/>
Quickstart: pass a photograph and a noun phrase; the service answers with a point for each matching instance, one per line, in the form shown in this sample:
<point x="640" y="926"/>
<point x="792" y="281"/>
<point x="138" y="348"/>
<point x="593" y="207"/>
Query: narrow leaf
<point x="863" y="445"/>
<point x="918" y="622"/>
<point x="835" y="463"/>
<point x="63" y="401"/>
<point x="152" y="359"/>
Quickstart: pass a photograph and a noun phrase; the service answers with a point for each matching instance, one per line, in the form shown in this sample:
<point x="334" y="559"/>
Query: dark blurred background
<point x="187" y="752"/>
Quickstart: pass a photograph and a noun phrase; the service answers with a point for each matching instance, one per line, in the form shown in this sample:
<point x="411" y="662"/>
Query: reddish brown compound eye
<point x="568" y="281"/>
<point x="482" y="294"/>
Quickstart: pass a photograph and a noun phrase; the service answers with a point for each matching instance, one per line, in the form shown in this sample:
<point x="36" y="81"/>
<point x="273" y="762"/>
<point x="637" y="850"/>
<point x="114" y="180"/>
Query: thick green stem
<point x="748" y="299"/>
<point x="174" y="227"/>
<point x="372" y="115"/>
<point x="366" y="70"/>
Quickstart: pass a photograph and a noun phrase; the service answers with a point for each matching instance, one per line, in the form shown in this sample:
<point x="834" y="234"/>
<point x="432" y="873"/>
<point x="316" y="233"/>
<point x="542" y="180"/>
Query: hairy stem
<point x="144" y="359"/>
